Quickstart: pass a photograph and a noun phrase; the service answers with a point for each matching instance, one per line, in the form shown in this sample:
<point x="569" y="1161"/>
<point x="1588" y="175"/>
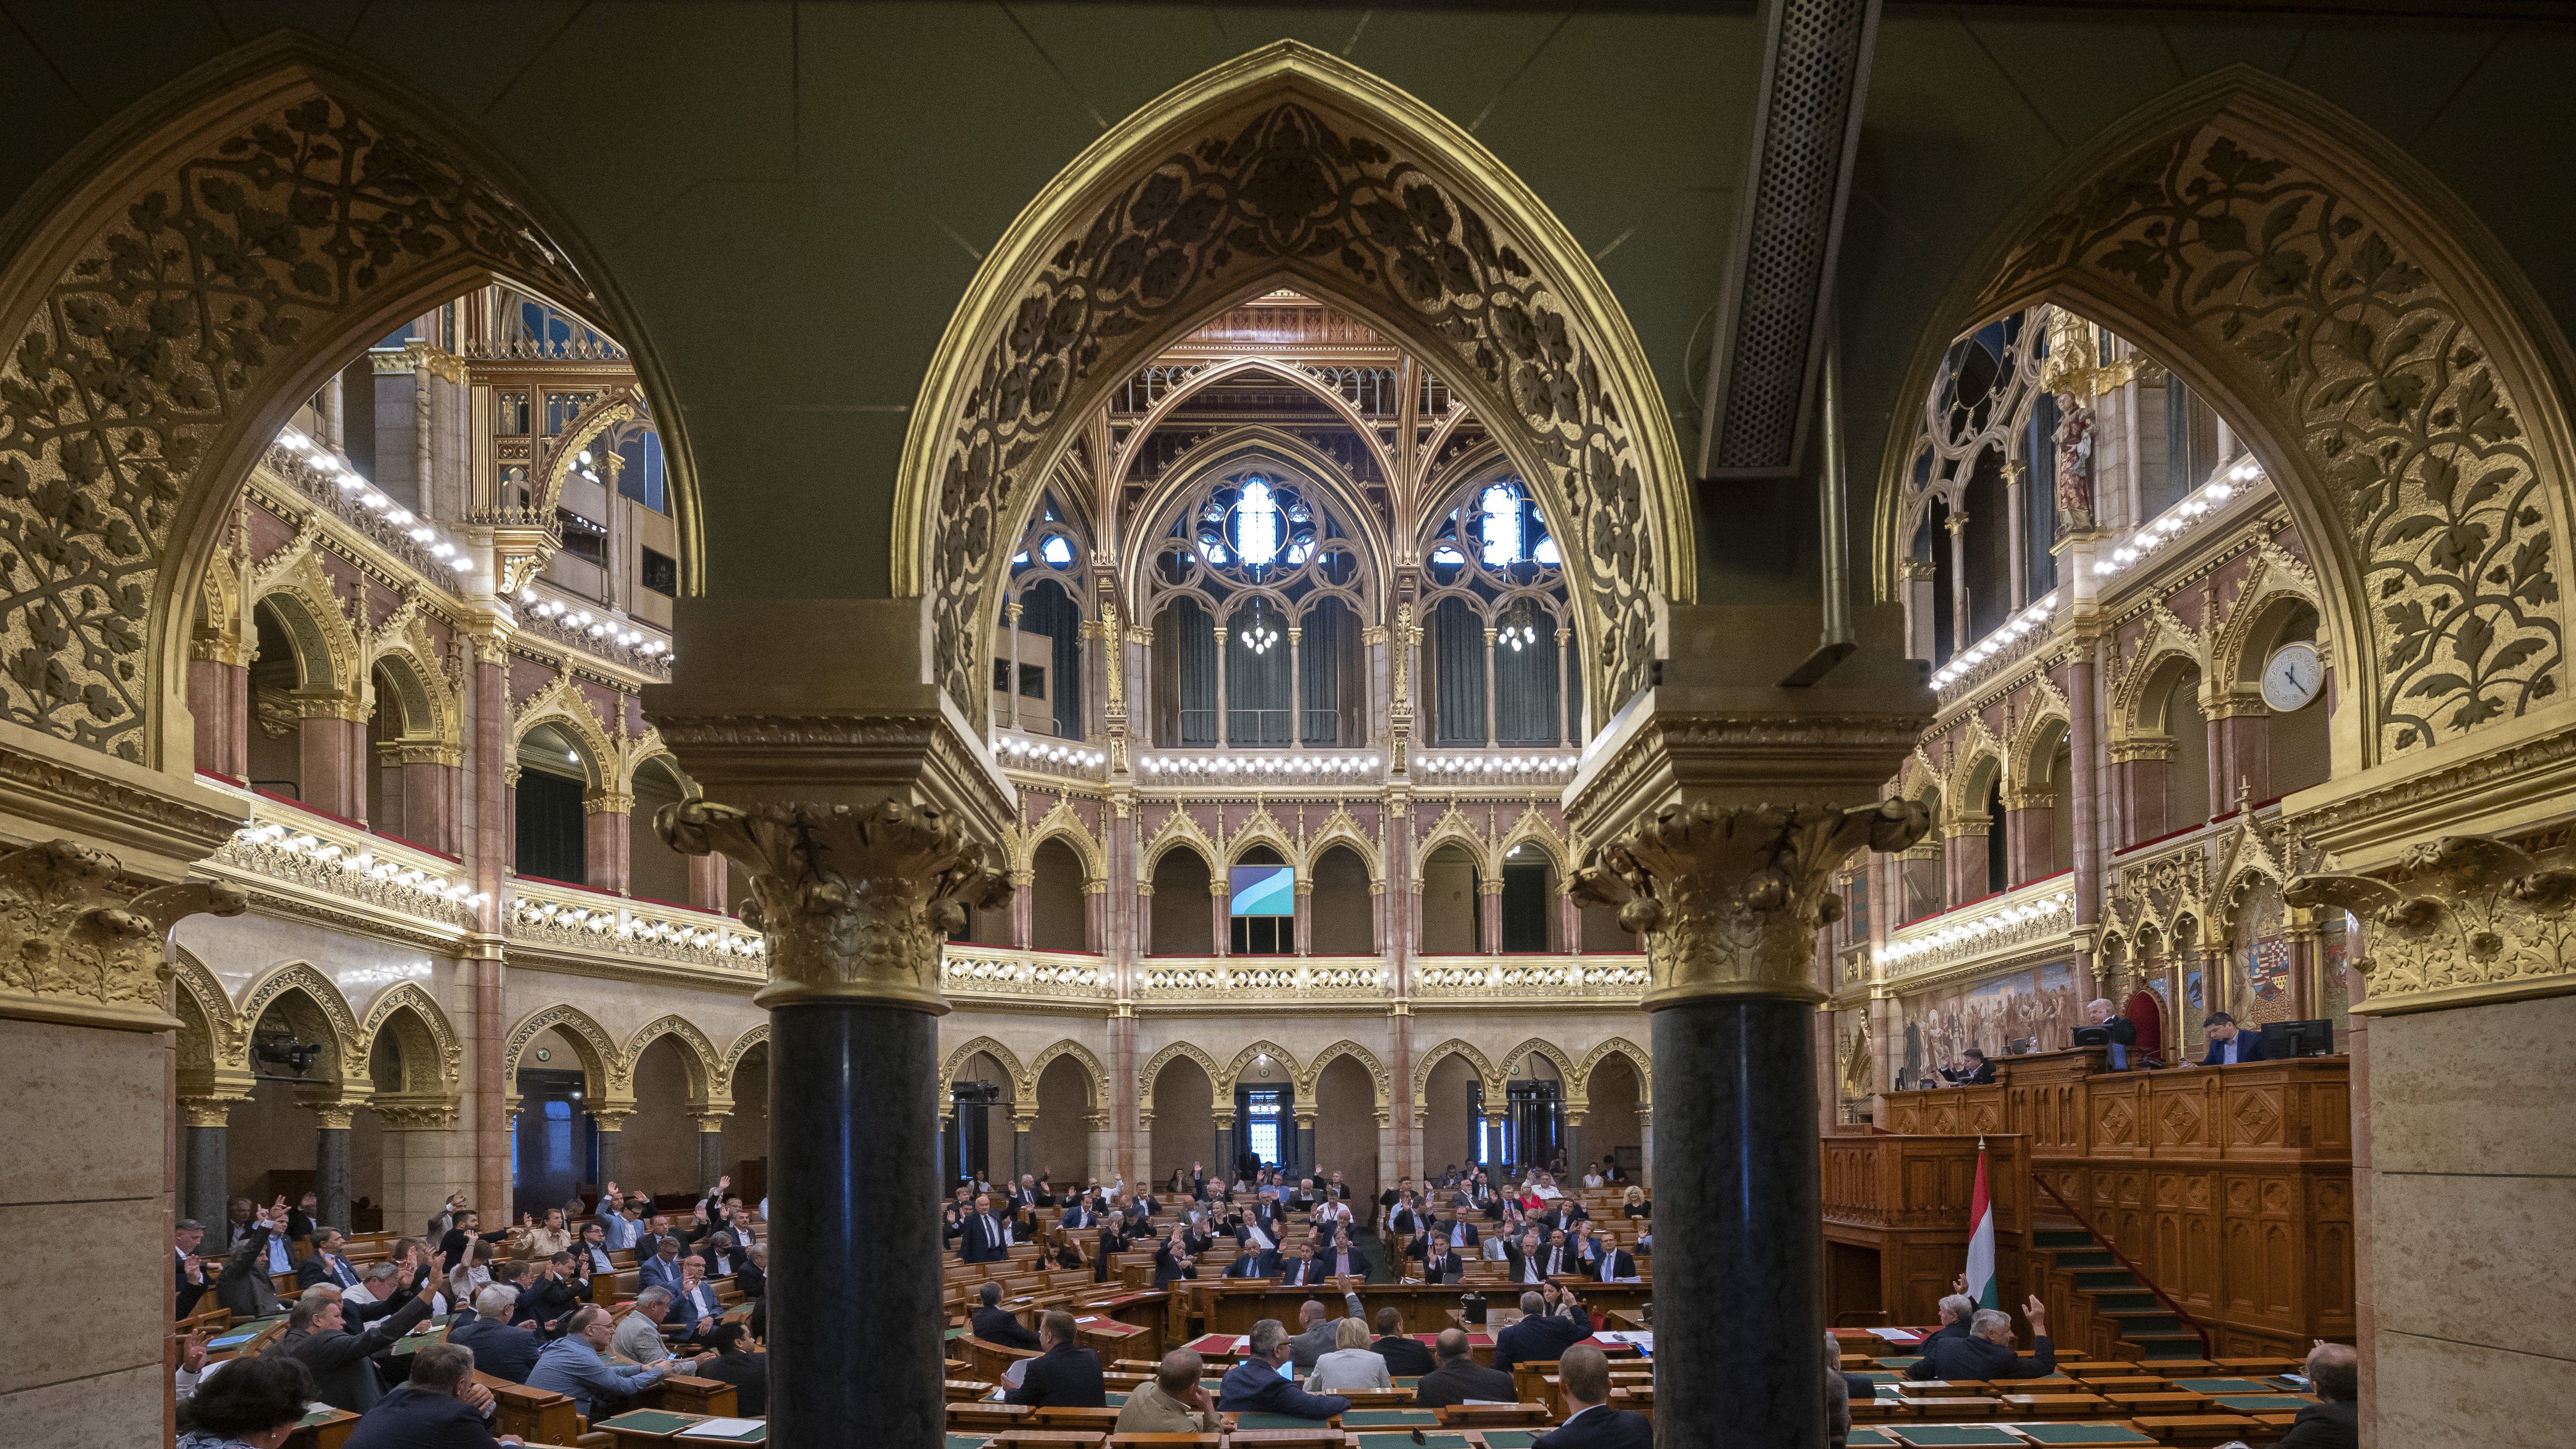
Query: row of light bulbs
<point x="1034" y="750"/>
<point x="635" y="639"/>
<point x="1261" y="765"/>
<point x="352" y="481"/>
<point x="361" y="862"/>
<point x="2179" y="519"/>
<point x="2060" y="904"/>
<point x="2032" y="618"/>
<point x="1510" y="765"/>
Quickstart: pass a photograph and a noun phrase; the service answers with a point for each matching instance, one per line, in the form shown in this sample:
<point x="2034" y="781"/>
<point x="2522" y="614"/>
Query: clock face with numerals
<point x="2293" y="676"/>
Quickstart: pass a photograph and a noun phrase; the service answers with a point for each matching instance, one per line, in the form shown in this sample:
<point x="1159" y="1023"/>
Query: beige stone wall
<point x="2473" y="1222"/>
<point x="86" y="1202"/>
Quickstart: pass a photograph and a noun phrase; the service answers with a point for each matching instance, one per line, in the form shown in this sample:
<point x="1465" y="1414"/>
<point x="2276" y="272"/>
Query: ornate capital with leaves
<point x="2461" y="921"/>
<point x="854" y="901"/>
<point x="1730" y="900"/>
<point x="74" y="947"/>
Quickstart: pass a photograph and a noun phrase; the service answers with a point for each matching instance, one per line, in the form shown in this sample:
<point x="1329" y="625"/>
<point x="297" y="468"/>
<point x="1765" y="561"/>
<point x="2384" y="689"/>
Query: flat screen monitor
<point x="2092" y="1036"/>
<point x="1263" y="890"/>
<point x="2284" y="1039"/>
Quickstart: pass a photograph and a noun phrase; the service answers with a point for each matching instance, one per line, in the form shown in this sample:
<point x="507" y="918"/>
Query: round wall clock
<point x="2293" y="675"/>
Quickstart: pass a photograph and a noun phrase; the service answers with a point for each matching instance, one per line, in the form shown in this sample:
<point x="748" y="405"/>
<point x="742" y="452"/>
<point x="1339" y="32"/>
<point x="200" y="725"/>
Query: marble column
<point x="1220" y="916"/>
<point x="1303" y="928"/>
<point x="219" y="702"/>
<point x="2138" y="789"/>
<point x="1023" y="910"/>
<point x="711" y="1163"/>
<point x="331" y="755"/>
<point x="1021" y="1127"/>
<point x="1963" y="861"/>
<point x="853" y="902"/>
<point x="205" y="1121"/>
<point x="331" y="1164"/>
<point x="2240" y="755"/>
<point x="1306" y="1142"/>
<point x="1225" y="1153"/>
<point x="707" y="882"/>
<point x="606" y="819"/>
<point x="1721" y="809"/>
<point x="2085" y="801"/>
<point x="1489" y="907"/>
<point x="2030" y="845"/>
<point x="611" y="1122"/>
<point x="1572" y="1124"/>
<point x="428" y="795"/>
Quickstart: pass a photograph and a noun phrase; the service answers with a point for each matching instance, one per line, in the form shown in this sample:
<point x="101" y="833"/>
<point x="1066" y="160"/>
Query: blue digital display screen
<point x="1263" y="890"/>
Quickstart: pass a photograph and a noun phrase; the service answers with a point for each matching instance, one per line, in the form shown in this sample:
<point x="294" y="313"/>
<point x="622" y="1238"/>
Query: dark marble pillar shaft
<point x="331" y="1175"/>
<point x="612" y="1156"/>
<point x="1020" y="1151"/>
<point x="1306" y="1144"/>
<point x="864" y="1078"/>
<point x="710" y="1156"/>
<point x="207" y="1169"/>
<point x="1225" y="1153"/>
<point x="1739" y="1298"/>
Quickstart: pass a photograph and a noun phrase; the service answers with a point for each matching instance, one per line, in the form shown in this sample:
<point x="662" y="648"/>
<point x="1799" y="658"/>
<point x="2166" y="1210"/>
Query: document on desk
<point x="733" y="1429"/>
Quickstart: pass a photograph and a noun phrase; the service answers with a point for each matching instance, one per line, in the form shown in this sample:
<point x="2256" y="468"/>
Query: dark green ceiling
<point x="793" y="197"/>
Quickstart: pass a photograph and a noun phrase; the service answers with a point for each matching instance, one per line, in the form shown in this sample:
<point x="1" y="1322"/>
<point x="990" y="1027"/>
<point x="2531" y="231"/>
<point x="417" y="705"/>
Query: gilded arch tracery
<point x="433" y="1057"/>
<point x="1220" y="191"/>
<point x="1637" y="1058"/>
<point x="291" y="213"/>
<point x="1153" y="1068"/>
<point x="348" y="1045"/>
<point x="965" y="1052"/>
<point x="1380" y="1086"/>
<point x="755" y="1036"/>
<point x="1095" y="1077"/>
<point x="1453" y="1047"/>
<point x="1245" y="1058"/>
<point x="603" y="1065"/>
<point x="697" y="1057"/>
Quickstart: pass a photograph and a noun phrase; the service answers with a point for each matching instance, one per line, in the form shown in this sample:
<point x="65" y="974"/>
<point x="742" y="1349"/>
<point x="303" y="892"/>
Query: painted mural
<point x="2024" y="1011"/>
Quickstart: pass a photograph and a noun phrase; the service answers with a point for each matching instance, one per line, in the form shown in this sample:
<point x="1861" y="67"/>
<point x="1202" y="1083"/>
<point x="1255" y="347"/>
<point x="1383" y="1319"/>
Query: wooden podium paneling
<point x="2231" y="1187"/>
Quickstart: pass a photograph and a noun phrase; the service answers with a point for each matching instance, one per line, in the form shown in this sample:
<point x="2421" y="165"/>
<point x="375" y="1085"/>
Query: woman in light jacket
<point x="1351" y="1365"/>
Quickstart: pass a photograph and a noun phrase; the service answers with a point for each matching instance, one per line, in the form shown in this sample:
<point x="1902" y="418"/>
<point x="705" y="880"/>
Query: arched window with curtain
<point x="1502" y="648"/>
<point x="1037" y="641"/>
<point x="1258" y="592"/>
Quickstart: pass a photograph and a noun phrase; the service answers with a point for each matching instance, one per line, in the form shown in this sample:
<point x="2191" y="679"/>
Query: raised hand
<point x="192" y="1354"/>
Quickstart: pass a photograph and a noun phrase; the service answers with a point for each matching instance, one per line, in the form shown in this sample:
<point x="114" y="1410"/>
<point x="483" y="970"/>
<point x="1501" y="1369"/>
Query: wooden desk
<point x="540" y="1416"/>
<point x="328" y="1429"/>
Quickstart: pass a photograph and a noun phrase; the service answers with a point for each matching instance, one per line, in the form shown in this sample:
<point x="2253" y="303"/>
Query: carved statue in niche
<point x="2074" y="465"/>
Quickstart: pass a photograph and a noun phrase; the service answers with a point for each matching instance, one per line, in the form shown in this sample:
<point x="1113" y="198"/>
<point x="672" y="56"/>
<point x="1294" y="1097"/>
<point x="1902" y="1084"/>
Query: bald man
<point x="2334" y="1371"/>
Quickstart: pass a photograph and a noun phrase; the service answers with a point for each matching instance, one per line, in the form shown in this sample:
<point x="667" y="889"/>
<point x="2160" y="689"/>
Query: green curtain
<point x="1047" y="609"/>
<point x="1526" y="684"/>
<point x="551" y="837"/>
<point x="1256" y="681"/>
<point x="1184" y="675"/>
<point x="1319" y="673"/>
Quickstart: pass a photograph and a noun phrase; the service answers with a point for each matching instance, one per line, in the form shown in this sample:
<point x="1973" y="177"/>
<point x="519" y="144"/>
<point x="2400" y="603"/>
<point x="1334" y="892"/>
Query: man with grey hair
<point x="1986" y="1352"/>
<point x="502" y="1350"/>
<point x="2123" y="1032"/>
<point x="639" y="1334"/>
<point x="2334" y="1371"/>
<point x="1262" y="1383"/>
<point x="1540" y="1337"/>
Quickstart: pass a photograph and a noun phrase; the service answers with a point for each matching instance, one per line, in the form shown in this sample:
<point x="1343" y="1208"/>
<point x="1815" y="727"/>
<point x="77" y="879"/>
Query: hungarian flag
<point x="1981" y="1241"/>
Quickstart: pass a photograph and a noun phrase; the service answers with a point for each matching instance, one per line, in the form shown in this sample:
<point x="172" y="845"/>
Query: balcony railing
<point x="322" y="859"/>
<point x="1609" y="978"/>
<point x="999" y="973"/>
<point x="2015" y="921"/>
<point x="569" y="918"/>
<point x="1285" y="979"/>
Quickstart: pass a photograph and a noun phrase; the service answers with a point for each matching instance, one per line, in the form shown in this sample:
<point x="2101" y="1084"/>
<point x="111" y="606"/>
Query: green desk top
<point x="2083" y="1434"/>
<point x="951" y="1336"/>
<point x="1408" y="1381"/>
<point x="651" y="1421"/>
<point x="412" y="1342"/>
<point x="1862" y="1438"/>
<point x="966" y="1441"/>
<point x="1406" y="1441"/>
<point x="318" y="1416"/>
<point x="1877" y="1376"/>
<point x="2223" y="1386"/>
<point x="2262" y="1403"/>
<point x="1274" y="1421"/>
<point x="1511" y="1438"/>
<point x="1387" y="1418"/>
<point x="1906" y="1362"/>
<point x="1116" y="1399"/>
<point x="1954" y="1434"/>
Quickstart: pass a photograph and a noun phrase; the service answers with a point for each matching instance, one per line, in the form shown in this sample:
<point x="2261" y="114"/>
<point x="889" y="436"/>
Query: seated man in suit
<point x="1609" y="1262"/>
<point x="1066" y="1375"/>
<point x="1986" y="1350"/>
<point x="695" y="1308"/>
<point x="552" y="1294"/>
<point x="328" y="1263"/>
<point x="996" y="1324"/>
<point x="1973" y="1070"/>
<point x="1590" y="1422"/>
<point x="1458" y="1378"/>
<point x="441" y="1405"/>
<point x="1404" y="1356"/>
<point x="662" y="1270"/>
<point x="1540" y="1337"/>
<point x="1439" y="1265"/>
<point x="752" y="1277"/>
<point x="1249" y="1261"/>
<point x="343" y="1363"/>
<point x="1262" y="1384"/>
<point x="2334" y="1371"/>
<point x="500" y="1349"/>
<point x="2228" y="1044"/>
<point x="737" y="1365"/>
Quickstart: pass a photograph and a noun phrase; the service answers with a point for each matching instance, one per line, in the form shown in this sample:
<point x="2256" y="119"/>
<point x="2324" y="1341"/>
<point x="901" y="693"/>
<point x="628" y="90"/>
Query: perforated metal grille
<point x="1806" y="120"/>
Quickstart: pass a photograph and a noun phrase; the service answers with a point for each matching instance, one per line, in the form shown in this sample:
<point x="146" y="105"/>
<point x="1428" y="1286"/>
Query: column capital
<point x="711" y="1121"/>
<point x="611" y="1119"/>
<point x="334" y="1116"/>
<point x="208" y="1111"/>
<point x="608" y="802"/>
<point x="84" y="951"/>
<point x="2460" y="921"/>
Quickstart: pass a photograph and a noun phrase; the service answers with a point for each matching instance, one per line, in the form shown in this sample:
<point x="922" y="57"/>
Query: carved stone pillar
<point x="204" y="1122"/>
<point x="331" y="1162"/>
<point x="711" y="1163"/>
<point x="1572" y="1123"/>
<point x="1305" y="1143"/>
<point x="2030" y="842"/>
<point x="707" y="882"/>
<point x="219" y="698"/>
<point x="1220" y="914"/>
<point x="863" y="811"/>
<point x="428" y="775"/>
<point x="1023" y="910"/>
<point x="611" y="1122"/>
<point x="1225" y="1153"/>
<point x="2240" y="754"/>
<point x="1303" y="927"/>
<point x="331" y="763"/>
<point x="1489" y="906"/>
<point x="2138" y="769"/>
<point x="1023" y="1123"/>
<point x="1963" y="861"/>
<point x="1717" y="812"/>
<point x="2085" y="798"/>
<point x="606" y="817"/>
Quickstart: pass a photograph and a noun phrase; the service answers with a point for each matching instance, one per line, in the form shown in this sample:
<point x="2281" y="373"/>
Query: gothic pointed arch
<point x="603" y="1067"/>
<point x="1153" y="1068"/>
<point x="433" y="1056"/>
<point x="1453" y="1047"/>
<point x="1539" y="1046"/>
<point x="1453" y="826"/>
<point x="329" y="659"/>
<point x="1341" y="829"/>
<point x="1622" y="1047"/>
<point x="734" y="1055"/>
<point x="1061" y="822"/>
<point x="1288" y="166"/>
<point x="2385" y="359"/>
<point x="183" y="280"/>
<point x="1534" y="828"/>
<point x="226" y="1040"/>
<point x="348" y="1047"/>
<point x="563" y="703"/>
<point x="1252" y="1053"/>
<point x="965" y="1052"/>
<point x="1179" y="829"/>
<point x="1381" y="1087"/>
<point x="697" y="1055"/>
<point x="1095" y="1077"/>
<point x="1260" y="828"/>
